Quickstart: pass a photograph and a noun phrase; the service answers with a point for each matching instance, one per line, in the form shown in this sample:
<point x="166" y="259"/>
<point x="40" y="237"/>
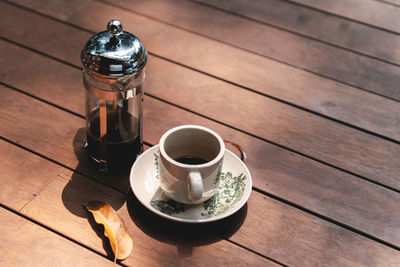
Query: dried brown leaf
<point x="114" y="228"/>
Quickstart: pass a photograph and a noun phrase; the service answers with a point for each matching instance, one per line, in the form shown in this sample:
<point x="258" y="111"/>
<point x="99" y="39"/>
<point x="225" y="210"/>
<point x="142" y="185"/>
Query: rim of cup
<point x="183" y="165"/>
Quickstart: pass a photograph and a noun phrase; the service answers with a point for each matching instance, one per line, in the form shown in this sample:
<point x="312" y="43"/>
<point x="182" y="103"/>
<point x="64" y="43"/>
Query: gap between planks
<point x="388" y="3"/>
<point x="342" y="16"/>
<point x="53" y="231"/>
<point x="282" y="29"/>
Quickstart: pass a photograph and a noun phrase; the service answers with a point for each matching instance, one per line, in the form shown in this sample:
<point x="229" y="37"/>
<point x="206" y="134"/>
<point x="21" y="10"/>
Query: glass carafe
<point x="113" y="77"/>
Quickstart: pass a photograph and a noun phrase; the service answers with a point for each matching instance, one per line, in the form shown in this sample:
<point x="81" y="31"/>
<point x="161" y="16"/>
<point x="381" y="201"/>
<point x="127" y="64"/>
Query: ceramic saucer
<point x="233" y="190"/>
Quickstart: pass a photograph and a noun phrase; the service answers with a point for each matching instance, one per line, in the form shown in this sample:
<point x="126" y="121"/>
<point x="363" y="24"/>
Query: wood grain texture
<point x="263" y="75"/>
<point x="29" y="122"/>
<point x="335" y="100"/>
<point x="70" y="191"/>
<point x="295" y="50"/>
<point x="51" y="132"/>
<point x="33" y="29"/>
<point x="289" y="231"/>
<point x="331" y="142"/>
<point x="13" y="197"/>
<point x="374" y="13"/>
<point x="48" y="79"/>
<point x="198" y="85"/>
<point x="313" y="185"/>
<point x="371" y="171"/>
<point x="57" y="8"/>
<point x="23" y="243"/>
<point x="393" y="2"/>
<point x="24" y="175"/>
<point x="336" y="213"/>
<point x="319" y="25"/>
<point x="281" y="230"/>
<point x="59" y="207"/>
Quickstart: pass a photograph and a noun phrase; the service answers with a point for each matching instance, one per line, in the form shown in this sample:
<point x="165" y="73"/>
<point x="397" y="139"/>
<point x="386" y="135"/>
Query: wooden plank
<point x="379" y="106"/>
<point x="322" y="139"/>
<point x="75" y="94"/>
<point x="50" y="132"/>
<point x="13" y="197"/>
<point x="57" y="8"/>
<point x="367" y="259"/>
<point x="24" y="243"/>
<point x="280" y="233"/>
<point x="394" y="2"/>
<point x="42" y="78"/>
<point x="312" y="185"/>
<point x="318" y="25"/>
<point x="311" y="241"/>
<point x="356" y="107"/>
<point x="70" y="39"/>
<point x="309" y="184"/>
<point x="68" y="201"/>
<point x="295" y="50"/>
<point x="373" y="13"/>
<point x="24" y="175"/>
<point x="328" y="98"/>
<point x="298" y="169"/>
<point x="315" y="136"/>
<point x="59" y="207"/>
<point x="307" y="129"/>
<point x="39" y="117"/>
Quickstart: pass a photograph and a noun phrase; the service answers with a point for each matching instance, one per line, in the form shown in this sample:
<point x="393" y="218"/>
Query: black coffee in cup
<point x="191" y="160"/>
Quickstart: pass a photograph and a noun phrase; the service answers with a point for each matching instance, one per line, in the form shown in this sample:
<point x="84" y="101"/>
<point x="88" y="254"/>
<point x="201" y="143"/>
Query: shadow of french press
<point x="185" y="236"/>
<point x="86" y="184"/>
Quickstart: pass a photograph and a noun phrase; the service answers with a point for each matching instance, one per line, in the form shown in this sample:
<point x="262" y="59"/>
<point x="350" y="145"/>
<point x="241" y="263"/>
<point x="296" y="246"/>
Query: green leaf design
<point x="229" y="191"/>
<point x="169" y="207"/>
<point x="156" y="163"/>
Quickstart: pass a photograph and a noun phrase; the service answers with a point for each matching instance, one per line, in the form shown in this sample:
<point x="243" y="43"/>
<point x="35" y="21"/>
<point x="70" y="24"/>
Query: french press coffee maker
<point x="113" y="77"/>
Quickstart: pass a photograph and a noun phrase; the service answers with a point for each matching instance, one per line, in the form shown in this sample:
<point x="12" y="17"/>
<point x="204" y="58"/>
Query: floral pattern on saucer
<point x="229" y="191"/>
<point x="169" y="207"/>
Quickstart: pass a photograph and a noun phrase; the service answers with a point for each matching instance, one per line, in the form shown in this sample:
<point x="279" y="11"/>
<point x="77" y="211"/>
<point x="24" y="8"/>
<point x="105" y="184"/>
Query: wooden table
<point x="309" y="88"/>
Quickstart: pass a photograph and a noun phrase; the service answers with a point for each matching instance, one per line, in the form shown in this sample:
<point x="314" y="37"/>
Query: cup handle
<point x="195" y="186"/>
<point x="243" y="155"/>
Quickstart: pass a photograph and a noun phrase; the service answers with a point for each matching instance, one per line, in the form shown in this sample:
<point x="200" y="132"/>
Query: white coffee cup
<point x="191" y="159"/>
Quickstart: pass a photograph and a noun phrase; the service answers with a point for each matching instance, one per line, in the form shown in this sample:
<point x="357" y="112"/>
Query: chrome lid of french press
<point x="114" y="52"/>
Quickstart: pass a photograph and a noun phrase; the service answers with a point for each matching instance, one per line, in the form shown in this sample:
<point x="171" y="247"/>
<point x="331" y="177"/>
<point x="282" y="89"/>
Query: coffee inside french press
<point x="113" y="77"/>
